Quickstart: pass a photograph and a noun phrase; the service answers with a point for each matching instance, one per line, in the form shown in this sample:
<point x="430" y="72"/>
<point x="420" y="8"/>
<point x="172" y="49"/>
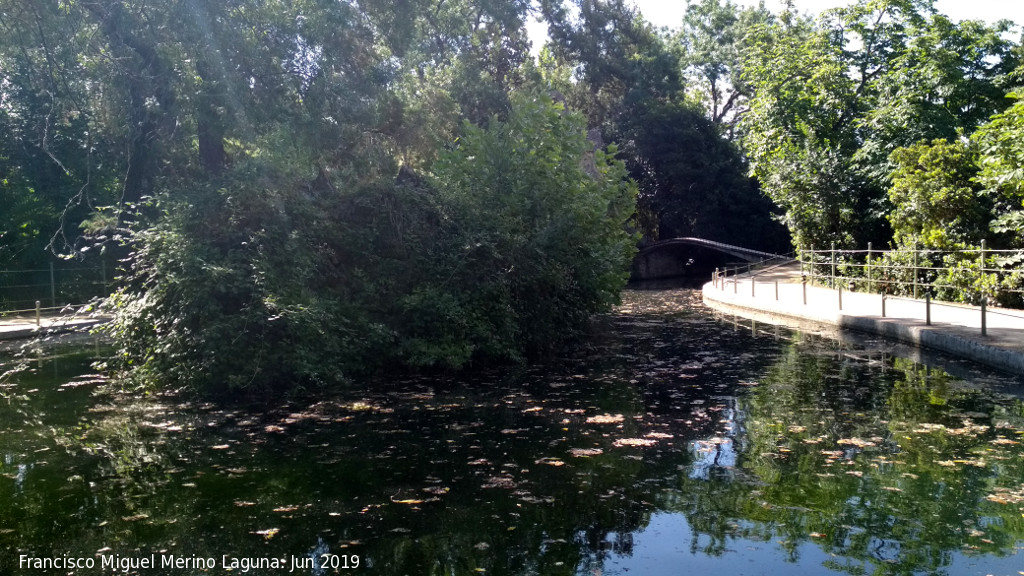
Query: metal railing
<point x="773" y="261"/>
<point x="52" y="287"/>
<point x="972" y="277"/>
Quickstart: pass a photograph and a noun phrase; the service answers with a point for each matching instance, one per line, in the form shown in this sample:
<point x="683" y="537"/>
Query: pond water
<point x="678" y="442"/>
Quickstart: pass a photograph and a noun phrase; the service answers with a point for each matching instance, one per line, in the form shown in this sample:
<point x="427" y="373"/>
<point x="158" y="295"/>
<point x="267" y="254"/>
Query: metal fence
<point x="53" y="286"/>
<point x="971" y="276"/>
<point x="767" y="263"/>
<point x="963" y="283"/>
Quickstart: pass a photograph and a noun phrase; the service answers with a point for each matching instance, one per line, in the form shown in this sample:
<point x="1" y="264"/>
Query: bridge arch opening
<point x="696" y="258"/>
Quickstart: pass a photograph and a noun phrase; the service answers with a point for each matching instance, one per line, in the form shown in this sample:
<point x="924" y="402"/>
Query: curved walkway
<point x="777" y="295"/>
<point x="14" y="327"/>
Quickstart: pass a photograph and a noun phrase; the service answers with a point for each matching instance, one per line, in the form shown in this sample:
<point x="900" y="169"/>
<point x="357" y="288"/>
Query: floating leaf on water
<point x="550" y="461"/>
<point x="585" y="452"/>
<point x="979" y="463"/>
<point x="500" y="482"/>
<point x="286" y="508"/>
<point x="268" y="533"/>
<point x="605" y="419"/>
<point x="634" y="442"/>
<point x="858" y="442"/>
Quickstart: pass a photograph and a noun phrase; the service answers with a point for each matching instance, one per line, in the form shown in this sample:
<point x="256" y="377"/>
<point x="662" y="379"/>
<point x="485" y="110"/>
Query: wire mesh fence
<point x="54" y="286"/>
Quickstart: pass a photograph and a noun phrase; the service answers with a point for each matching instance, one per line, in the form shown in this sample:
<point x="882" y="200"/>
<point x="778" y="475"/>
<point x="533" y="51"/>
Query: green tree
<point x="935" y="203"/>
<point x="713" y="37"/>
<point x="539" y="241"/>
<point x="798" y="133"/>
<point x="833" y="100"/>
<point x="1001" y="148"/>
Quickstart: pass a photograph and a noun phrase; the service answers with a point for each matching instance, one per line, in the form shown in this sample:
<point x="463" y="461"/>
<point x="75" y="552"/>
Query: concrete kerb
<point x="26" y="330"/>
<point x="957" y="340"/>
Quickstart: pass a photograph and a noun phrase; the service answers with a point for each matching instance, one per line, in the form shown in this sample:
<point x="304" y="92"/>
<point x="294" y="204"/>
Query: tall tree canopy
<point x="834" y="98"/>
<point x="631" y="82"/>
<point x="300" y="190"/>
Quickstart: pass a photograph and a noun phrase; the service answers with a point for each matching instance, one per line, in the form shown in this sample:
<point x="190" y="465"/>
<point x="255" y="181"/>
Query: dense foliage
<point x="299" y="189"/>
<point x="844" y="104"/>
<point x="302" y="190"/>
<point x="504" y="251"/>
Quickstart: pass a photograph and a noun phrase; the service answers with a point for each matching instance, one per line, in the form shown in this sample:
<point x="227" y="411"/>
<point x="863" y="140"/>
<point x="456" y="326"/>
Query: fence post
<point x="871" y="287"/>
<point x="753" y="281"/>
<point x="984" y="330"/>
<point x="840" y="298"/>
<point x="776" y="290"/>
<point x="53" y="288"/>
<point x="832" y="280"/>
<point x="804" y="282"/>
<point x="928" y="308"/>
<point x="915" y="270"/>
<point x="981" y="266"/>
<point x="883" y="305"/>
<point x="38" y="315"/>
<point x="716" y="277"/>
<point x="814" y="261"/>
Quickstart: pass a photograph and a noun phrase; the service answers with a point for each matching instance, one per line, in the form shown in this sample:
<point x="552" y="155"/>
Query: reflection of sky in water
<point x="19" y="477"/>
<point x="717" y="451"/>
<point x="711" y="453"/>
<point x="668" y="546"/>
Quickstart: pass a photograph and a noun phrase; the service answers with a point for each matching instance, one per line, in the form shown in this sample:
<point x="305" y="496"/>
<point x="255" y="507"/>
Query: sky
<point x="670" y="12"/>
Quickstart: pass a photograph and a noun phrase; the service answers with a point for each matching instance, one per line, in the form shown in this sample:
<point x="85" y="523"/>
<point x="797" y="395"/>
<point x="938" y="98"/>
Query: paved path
<point x="13" y="327"/>
<point x="955" y="328"/>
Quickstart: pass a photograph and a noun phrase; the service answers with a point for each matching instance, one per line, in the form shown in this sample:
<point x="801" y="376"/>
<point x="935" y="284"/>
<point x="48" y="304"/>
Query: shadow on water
<point x="676" y="442"/>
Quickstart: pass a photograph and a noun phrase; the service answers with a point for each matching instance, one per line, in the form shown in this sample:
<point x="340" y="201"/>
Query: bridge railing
<point x="769" y="262"/>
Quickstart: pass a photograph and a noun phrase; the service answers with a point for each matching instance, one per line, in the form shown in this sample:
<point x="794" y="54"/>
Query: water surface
<point x="677" y="442"/>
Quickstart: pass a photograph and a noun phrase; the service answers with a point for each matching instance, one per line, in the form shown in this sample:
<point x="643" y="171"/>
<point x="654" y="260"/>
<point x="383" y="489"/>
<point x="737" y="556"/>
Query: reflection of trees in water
<point x="874" y="460"/>
<point x="891" y="472"/>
